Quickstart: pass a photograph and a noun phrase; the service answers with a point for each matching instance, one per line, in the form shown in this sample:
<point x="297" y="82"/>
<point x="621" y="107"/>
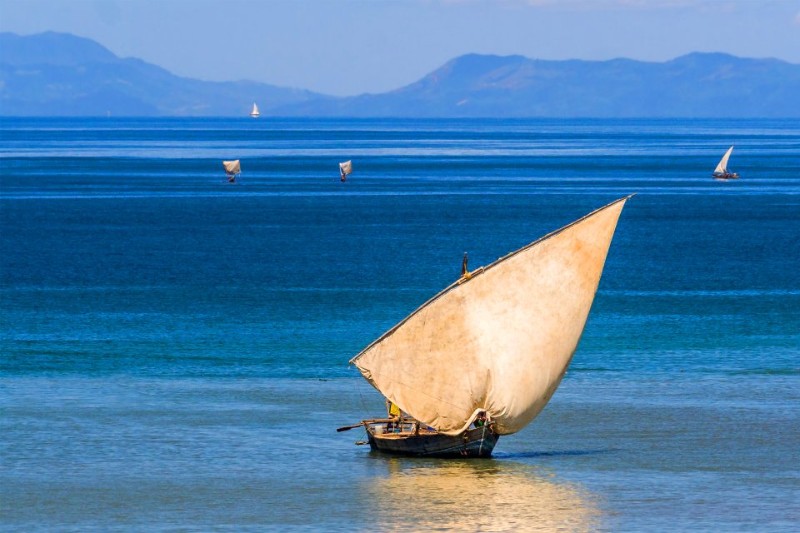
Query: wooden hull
<point x="477" y="442"/>
<point x="726" y="176"/>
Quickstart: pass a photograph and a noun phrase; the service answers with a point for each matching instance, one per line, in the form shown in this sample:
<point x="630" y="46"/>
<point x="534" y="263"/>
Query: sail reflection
<point x="477" y="496"/>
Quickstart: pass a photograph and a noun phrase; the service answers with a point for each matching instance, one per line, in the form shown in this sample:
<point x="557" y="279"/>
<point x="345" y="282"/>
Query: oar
<point x="345" y="428"/>
<point x="364" y="422"/>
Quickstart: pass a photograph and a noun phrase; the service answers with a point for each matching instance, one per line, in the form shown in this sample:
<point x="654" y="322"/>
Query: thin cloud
<point x="613" y="4"/>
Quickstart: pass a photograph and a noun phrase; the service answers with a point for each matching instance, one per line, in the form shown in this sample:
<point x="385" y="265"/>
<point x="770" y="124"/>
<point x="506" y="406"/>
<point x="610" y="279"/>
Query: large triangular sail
<point x="499" y="339"/>
<point x="722" y="167"/>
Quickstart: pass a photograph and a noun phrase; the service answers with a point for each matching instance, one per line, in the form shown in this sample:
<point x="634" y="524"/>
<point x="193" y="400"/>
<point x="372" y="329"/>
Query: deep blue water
<point x="173" y="348"/>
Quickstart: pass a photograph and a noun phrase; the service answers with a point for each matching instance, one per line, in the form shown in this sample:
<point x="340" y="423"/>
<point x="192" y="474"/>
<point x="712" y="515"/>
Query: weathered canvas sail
<point x="232" y="167"/>
<point x="346" y="168"/>
<point x="722" y="167"/>
<point x="500" y="339"/>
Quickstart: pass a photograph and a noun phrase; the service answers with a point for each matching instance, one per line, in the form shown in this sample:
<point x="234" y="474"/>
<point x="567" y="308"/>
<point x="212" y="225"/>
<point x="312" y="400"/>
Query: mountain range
<point x="58" y="74"/>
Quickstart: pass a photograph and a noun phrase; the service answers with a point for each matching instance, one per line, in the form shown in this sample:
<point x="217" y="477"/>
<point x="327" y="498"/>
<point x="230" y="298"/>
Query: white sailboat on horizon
<point x="722" y="172"/>
<point x="255" y="113"/>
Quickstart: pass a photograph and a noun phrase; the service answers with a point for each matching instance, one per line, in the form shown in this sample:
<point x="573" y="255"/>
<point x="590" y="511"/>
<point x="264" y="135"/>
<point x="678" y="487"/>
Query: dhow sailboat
<point x="722" y="172"/>
<point x="232" y="169"/>
<point x="482" y="358"/>
<point x="345" y="169"/>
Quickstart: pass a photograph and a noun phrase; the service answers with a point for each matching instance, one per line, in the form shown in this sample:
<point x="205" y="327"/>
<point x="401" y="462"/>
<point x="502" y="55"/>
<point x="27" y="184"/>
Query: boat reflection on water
<point x="487" y="495"/>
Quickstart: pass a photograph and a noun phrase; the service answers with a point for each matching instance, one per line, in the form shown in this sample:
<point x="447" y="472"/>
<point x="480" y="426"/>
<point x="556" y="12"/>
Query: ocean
<point x="174" y="348"/>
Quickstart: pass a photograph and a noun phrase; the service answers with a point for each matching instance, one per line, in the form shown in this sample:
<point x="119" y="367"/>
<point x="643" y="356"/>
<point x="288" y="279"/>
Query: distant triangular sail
<point x="499" y="340"/>
<point x="722" y="167"/>
<point x="346" y="168"/>
<point x="232" y="167"/>
<point x="254" y="112"/>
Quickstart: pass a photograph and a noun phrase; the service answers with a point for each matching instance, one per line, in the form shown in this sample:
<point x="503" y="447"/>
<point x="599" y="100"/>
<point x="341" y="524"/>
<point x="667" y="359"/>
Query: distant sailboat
<point x="232" y="169"/>
<point x="483" y="357"/>
<point x="345" y="169"/>
<point x="255" y="113"/>
<point x="721" y="172"/>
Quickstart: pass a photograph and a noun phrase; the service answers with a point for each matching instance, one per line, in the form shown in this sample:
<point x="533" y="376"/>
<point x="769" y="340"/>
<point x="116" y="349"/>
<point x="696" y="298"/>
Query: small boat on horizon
<point x="345" y="169"/>
<point x="722" y="172"/>
<point x="255" y="112"/>
<point x="482" y="358"/>
<point x="232" y="170"/>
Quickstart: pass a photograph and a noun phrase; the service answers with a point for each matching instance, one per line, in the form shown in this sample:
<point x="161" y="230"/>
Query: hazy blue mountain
<point x="61" y="74"/>
<point x="695" y="85"/>
<point x="51" y="48"/>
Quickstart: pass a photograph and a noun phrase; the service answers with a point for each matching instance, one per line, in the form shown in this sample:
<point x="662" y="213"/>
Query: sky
<point x="349" y="47"/>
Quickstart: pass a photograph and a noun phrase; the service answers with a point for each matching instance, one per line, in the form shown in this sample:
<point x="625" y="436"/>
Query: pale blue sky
<point x="346" y="47"/>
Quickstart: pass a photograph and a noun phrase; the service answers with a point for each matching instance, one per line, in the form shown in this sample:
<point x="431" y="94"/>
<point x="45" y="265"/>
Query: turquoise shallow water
<point x="174" y="349"/>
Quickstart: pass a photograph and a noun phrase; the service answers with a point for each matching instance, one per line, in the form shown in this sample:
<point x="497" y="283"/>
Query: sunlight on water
<point x="477" y="496"/>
